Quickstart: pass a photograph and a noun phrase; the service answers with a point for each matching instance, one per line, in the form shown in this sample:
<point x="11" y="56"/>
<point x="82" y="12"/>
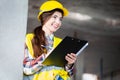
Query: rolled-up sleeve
<point x="31" y="65"/>
<point x="69" y="69"/>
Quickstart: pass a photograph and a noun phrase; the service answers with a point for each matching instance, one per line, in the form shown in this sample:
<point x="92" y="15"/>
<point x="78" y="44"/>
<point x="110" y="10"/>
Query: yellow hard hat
<point x="50" y="5"/>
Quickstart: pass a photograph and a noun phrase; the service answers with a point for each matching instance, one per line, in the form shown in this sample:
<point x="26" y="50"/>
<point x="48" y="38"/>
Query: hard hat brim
<point x="65" y="12"/>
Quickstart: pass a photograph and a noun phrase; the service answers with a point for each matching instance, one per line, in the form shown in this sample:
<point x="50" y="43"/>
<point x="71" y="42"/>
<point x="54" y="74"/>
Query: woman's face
<point x="53" y="23"/>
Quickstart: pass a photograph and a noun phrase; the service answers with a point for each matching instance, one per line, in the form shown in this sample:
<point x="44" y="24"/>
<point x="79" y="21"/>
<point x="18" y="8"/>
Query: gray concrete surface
<point x="13" y="22"/>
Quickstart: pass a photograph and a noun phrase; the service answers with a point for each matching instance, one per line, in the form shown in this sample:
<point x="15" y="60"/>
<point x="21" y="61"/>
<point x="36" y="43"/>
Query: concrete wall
<point x="13" y="22"/>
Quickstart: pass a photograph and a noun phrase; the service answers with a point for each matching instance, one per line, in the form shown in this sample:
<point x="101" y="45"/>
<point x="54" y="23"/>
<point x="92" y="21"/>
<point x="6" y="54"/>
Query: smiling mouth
<point x="55" y="26"/>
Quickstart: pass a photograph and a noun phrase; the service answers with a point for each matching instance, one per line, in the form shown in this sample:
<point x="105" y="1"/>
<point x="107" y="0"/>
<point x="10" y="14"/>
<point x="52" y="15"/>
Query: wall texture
<point x="13" y="22"/>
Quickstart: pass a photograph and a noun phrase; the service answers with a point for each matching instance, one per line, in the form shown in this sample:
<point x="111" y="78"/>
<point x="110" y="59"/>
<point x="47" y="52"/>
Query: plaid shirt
<point x="32" y="65"/>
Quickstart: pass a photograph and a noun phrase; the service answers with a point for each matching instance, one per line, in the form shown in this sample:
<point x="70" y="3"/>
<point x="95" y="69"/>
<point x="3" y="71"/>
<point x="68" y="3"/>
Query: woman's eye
<point x="55" y="16"/>
<point x="61" y="19"/>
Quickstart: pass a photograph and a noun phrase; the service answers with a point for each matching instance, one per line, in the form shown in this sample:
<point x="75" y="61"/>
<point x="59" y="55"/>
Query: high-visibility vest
<point x="28" y="42"/>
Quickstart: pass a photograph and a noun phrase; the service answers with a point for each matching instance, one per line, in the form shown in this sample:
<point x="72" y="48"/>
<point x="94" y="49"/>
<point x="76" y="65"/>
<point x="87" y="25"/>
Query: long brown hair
<point x="39" y="38"/>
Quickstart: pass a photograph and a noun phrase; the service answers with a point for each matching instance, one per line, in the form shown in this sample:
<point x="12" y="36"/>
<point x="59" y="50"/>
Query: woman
<point x="42" y="41"/>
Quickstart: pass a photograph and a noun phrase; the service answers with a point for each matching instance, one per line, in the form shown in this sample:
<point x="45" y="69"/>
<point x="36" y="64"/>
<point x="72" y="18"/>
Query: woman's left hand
<point x="71" y="58"/>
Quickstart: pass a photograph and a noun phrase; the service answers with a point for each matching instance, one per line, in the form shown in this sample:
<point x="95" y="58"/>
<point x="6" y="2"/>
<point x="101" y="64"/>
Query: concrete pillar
<point x="13" y="22"/>
<point x="79" y="66"/>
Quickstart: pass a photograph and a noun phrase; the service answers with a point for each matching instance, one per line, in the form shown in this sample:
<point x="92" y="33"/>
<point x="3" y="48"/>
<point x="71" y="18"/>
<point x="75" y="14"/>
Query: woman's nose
<point x="58" y="21"/>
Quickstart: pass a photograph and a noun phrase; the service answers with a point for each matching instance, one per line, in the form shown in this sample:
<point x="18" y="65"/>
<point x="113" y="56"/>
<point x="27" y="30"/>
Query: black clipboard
<point x="67" y="45"/>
